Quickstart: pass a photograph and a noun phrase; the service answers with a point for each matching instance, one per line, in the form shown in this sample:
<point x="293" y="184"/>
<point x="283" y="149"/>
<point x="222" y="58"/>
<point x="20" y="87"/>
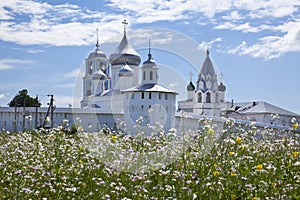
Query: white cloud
<point x="2" y="96"/>
<point x="206" y="45"/>
<point x="245" y="28"/>
<point x="270" y="47"/>
<point x="73" y="74"/>
<point x="9" y="63"/>
<point x="41" y="23"/>
<point x="57" y="25"/>
<point x="233" y="16"/>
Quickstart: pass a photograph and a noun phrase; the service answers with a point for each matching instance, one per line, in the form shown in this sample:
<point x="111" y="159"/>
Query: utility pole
<point x="50" y="109"/>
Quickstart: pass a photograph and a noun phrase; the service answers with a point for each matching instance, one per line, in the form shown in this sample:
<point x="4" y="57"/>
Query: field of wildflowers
<point x="239" y="162"/>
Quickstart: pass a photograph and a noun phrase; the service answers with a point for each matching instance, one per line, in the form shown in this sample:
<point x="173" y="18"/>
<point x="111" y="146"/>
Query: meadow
<point x="238" y="162"/>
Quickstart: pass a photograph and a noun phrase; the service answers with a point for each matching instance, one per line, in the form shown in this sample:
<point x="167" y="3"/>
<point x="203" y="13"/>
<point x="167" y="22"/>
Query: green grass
<point x="233" y="164"/>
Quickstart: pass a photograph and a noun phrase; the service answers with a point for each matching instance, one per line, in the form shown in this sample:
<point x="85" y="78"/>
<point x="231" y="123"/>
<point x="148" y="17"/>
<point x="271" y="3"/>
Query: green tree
<point x="23" y="97"/>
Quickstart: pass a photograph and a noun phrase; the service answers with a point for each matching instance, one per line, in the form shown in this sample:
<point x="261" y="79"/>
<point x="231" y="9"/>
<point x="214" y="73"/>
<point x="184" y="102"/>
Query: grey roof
<point x="125" y="50"/>
<point x="149" y="87"/>
<point x="97" y="53"/>
<point x="125" y="71"/>
<point x="207" y="67"/>
<point x="99" y="75"/>
<point x="264" y="107"/>
<point x="190" y="87"/>
<point x="149" y="61"/>
<point x="222" y="87"/>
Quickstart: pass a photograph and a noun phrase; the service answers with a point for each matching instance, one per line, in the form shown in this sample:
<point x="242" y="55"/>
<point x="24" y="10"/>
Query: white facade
<point x="208" y="97"/>
<point x="111" y="85"/>
<point x="112" y="94"/>
<point x="149" y="100"/>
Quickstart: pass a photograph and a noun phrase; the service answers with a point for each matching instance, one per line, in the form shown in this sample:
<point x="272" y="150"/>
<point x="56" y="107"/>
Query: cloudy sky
<point x="255" y="44"/>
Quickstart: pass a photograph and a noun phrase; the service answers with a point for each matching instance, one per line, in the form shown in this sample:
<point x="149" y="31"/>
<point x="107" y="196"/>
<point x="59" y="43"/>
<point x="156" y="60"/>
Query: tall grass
<point x="238" y="163"/>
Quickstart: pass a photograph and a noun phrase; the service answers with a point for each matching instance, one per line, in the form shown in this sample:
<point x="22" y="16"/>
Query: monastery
<point x="113" y="97"/>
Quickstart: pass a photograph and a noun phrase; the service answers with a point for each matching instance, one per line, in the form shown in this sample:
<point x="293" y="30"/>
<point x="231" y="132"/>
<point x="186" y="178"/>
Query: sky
<point x="255" y="44"/>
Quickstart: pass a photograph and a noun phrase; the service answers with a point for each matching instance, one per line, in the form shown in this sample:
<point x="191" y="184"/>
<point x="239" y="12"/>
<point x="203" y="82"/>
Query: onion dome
<point x="150" y="60"/>
<point x="125" y="50"/>
<point x="190" y="87"/>
<point x="125" y="71"/>
<point x="97" y="54"/>
<point x="222" y="87"/>
<point x="99" y="75"/>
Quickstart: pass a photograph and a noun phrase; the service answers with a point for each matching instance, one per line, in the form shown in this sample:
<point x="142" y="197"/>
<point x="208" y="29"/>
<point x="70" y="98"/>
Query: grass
<point x="237" y="163"/>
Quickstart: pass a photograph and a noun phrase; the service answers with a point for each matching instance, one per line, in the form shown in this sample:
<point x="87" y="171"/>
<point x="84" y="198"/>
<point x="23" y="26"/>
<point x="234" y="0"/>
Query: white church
<point x="113" y="95"/>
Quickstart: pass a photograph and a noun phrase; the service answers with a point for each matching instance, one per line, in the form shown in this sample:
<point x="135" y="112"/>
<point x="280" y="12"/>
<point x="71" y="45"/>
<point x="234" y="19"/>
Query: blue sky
<point x="255" y="44"/>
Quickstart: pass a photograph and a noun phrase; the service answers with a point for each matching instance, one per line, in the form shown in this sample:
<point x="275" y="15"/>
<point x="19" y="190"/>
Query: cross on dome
<point x="191" y="76"/>
<point x="125" y="23"/>
<point x="221" y="76"/>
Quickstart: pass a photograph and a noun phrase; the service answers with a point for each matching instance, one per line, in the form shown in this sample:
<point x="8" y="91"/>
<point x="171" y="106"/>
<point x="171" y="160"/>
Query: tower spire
<point x="97" y="44"/>
<point x="149" y="53"/>
<point x="125" y="23"/>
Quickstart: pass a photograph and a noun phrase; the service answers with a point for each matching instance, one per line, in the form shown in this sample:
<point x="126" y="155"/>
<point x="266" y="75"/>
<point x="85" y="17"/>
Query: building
<point x="112" y="94"/>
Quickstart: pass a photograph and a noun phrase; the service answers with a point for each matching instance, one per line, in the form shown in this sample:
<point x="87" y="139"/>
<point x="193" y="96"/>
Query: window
<point x="159" y="95"/>
<point x="144" y="75"/>
<point x="167" y="109"/>
<point x="151" y="75"/>
<point x="199" y="97"/>
<point x="143" y="95"/>
<point x="166" y="96"/>
<point x="149" y="95"/>
<point x="142" y="107"/>
<point x="208" y="99"/>
<point x="132" y="96"/>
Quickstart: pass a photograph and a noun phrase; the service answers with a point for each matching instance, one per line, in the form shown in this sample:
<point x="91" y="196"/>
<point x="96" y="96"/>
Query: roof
<point x="190" y="87"/>
<point x="125" y="50"/>
<point x="207" y="66"/>
<point x="97" y="53"/>
<point x="125" y="71"/>
<point x="99" y="75"/>
<point x="263" y="107"/>
<point x="149" y="87"/>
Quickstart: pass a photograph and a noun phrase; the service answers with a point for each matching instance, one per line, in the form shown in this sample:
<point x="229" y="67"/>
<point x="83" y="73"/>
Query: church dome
<point x="150" y="60"/>
<point x="190" y="87"/>
<point x="222" y="87"/>
<point x="125" y="71"/>
<point x="97" y="53"/>
<point x="99" y="75"/>
<point x="125" y="50"/>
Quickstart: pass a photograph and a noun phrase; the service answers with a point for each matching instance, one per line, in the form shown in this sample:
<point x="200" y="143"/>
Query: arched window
<point x="144" y="75"/>
<point x="208" y="99"/>
<point x="199" y="97"/>
<point x="151" y="75"/>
